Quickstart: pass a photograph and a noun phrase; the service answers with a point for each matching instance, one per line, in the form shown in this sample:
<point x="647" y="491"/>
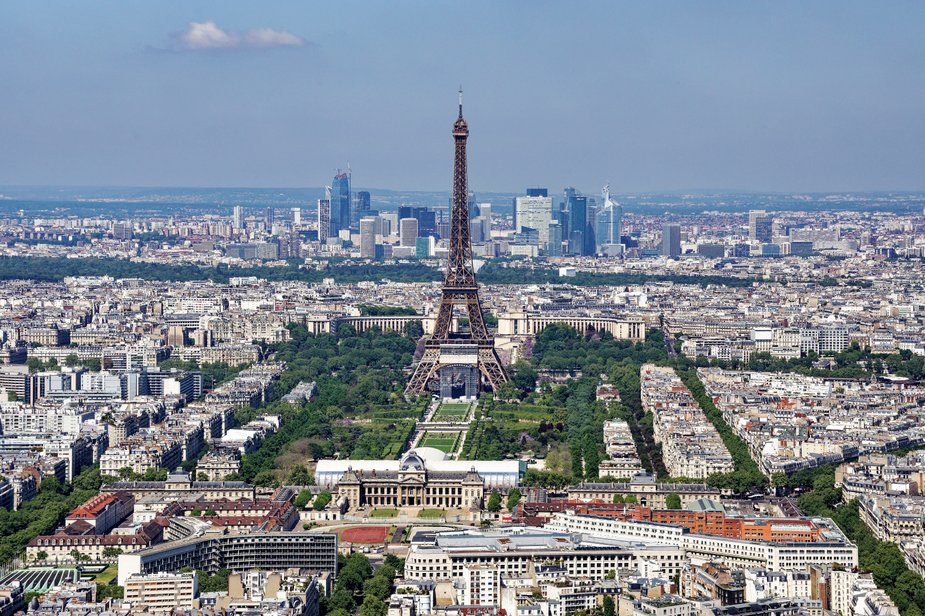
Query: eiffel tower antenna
<point x="451" y="358"/>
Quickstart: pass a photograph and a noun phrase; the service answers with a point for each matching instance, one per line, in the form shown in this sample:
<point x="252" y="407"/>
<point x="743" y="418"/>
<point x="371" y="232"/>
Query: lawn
<point x="383" y="513"/>
<point x="451" y="412"/>
<point x="527" y="412"/>
<point x="454" y="407"/>
<point x="107" y="575"/>
<point x="445" y="442"/>
<point x="431" y="513"/>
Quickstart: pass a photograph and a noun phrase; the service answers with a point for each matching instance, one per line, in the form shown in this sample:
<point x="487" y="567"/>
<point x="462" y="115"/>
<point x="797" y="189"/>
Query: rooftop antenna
<point x="460" y="100"/>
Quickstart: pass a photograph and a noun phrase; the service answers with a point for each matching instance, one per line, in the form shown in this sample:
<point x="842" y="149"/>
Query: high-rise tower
<point x="760" y="226"/>
<point x="340" y="202"/>
<point x="324" y="217"/>
<point x="361" y="208"/>
<point x="463" y="361"/>
<point x="671" y="239"/>
<point x="577" y="221"/>
<point x="608" y="222"/>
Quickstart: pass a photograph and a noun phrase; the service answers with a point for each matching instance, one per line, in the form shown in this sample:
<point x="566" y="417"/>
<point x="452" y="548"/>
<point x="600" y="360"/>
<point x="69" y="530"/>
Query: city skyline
<point x="573" y="380"/>
<point x="724" y="96"/>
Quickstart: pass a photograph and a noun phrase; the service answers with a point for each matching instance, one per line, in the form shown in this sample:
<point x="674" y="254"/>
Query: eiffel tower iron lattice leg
<point x="425" y="372"/>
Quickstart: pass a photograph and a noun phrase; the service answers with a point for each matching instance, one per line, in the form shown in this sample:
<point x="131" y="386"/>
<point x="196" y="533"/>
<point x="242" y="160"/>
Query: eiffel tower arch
<point x="459" y="360"/>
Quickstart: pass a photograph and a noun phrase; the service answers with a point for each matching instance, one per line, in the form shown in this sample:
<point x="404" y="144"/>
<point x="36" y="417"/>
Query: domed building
<point x="423" y="477"/>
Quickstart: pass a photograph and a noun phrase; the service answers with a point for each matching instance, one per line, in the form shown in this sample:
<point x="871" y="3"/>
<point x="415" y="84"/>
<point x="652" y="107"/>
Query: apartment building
<point x="513" y="550"/>
<point x="831" y="547"/>
<point x="211" y="551"/>
<point x="162" y="592"/>
<point x="691" y="446"/>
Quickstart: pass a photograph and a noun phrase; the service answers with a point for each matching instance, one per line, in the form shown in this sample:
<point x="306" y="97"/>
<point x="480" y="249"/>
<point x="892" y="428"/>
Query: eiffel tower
<point x="459" y="359"/>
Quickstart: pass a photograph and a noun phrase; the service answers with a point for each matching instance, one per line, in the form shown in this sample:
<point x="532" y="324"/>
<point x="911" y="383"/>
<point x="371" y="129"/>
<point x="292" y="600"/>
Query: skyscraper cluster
<point x="544" y="225"/>
<point x="575" y="226"/>
<point x="341" y="209"/>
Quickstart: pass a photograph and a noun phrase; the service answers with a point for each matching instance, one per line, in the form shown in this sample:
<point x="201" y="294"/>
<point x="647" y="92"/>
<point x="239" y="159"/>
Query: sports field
<point x="444" y="441"/>
<point x="365" y="534"/>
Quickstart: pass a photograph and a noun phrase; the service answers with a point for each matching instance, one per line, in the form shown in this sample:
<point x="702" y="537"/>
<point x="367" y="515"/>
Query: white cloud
<point x="208" y="36"/>
<point x="267" y="37"/>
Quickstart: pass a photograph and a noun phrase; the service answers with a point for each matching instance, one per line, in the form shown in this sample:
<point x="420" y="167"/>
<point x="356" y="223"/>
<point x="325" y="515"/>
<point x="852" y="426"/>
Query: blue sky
<point x="777" y="96"/>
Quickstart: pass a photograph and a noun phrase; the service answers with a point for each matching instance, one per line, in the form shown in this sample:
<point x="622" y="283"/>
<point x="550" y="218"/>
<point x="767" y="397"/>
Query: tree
<point x="71" y="360"/>
<point x="303" y="499"/>
<point x="558" y="460"/>
<point x="513" y="497"/>
<point x="299" y="476"/>
<point x="414" y="329"/>
<point x="213" y="583"/>
<point x="630" y="499"/>
<point x="202" y="476"/>
<point x="617" y="499"/>
<point x="578" y="467"/>
<point x="110" y="591"/>
<point x="341" y="599"/>
<point x="397" y="564"/>
<point x="41" y="556"/>
<point x="378" y="586"/>
<point x="507" y="391"/>
<point x="12" y="396"/>
<point x="111" y="552"/>
<point x="545" y="479"/>
<point x="494" y="502"/>
<point x="154" y="474"/>
<point x="353" y="573"/>
<point x="78" y="556"/>
<point x="523" y="376"/>
<point x="266" y="479"/>
<point x="608" y="606"/>
<point x="211" y="513"/>
<point x="386" y="571"/>
<point x="373" y="606"/>
<point x="322" y="500"/>
<point x="673" y="501"/>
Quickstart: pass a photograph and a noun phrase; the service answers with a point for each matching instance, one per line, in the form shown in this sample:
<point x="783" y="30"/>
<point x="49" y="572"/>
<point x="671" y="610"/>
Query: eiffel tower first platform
<point x="459" y="364"/>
